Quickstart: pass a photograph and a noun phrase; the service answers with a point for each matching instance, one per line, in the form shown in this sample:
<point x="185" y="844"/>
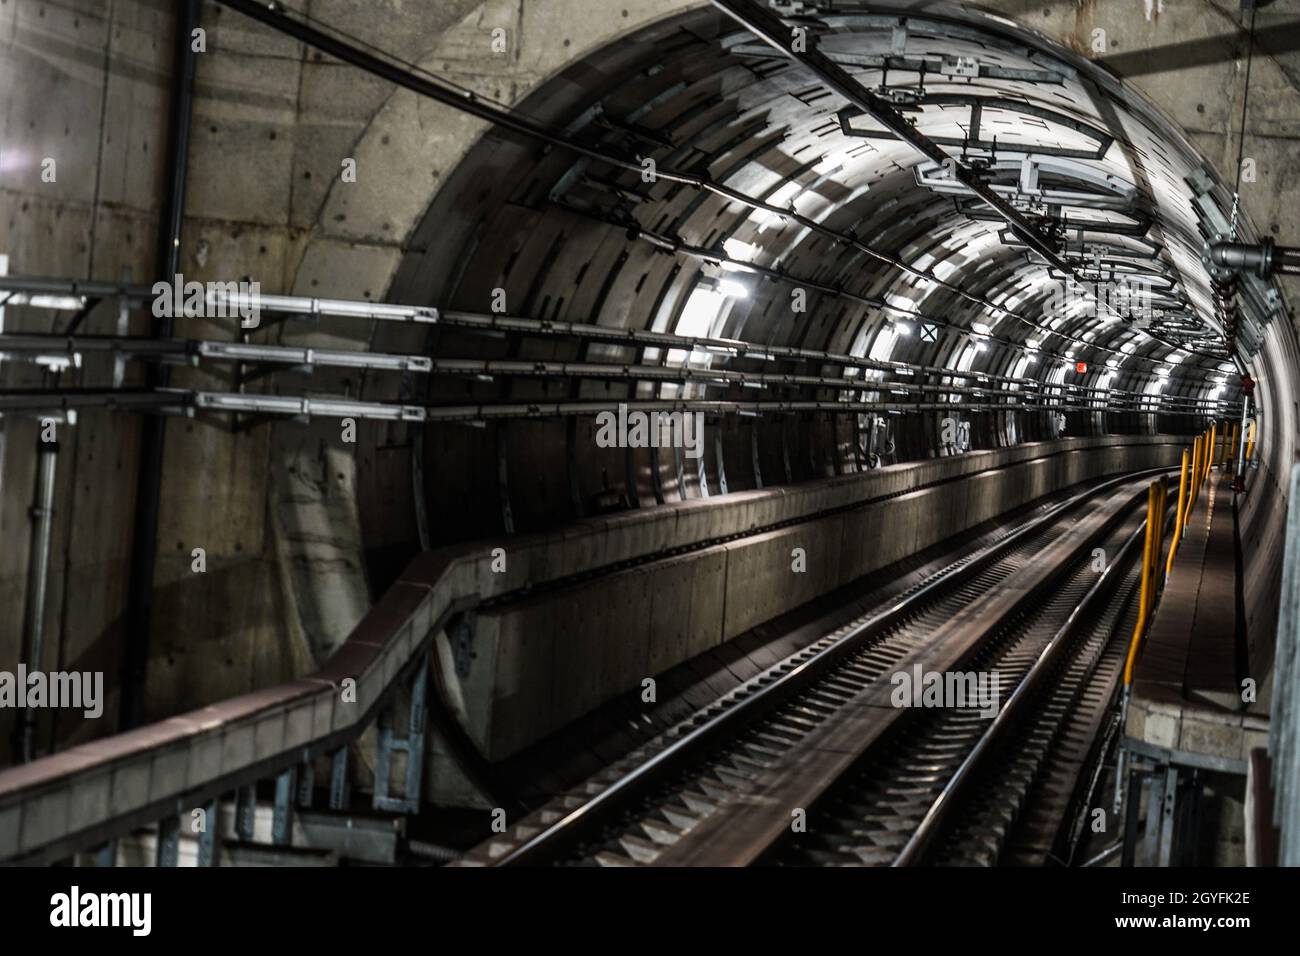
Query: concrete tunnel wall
<point x="287" y="518"/>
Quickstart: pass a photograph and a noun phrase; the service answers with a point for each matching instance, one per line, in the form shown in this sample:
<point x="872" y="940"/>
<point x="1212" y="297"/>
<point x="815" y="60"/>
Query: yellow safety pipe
<point x="1232" y="443"/>
<point x="1193" y="477"/>
<point x="1178" y="515"/>
<point x="1162" y="505"/>
<point x="1144" y="599"/>
<point x="1214" y="449"/>
<point x="1250" y="442"/>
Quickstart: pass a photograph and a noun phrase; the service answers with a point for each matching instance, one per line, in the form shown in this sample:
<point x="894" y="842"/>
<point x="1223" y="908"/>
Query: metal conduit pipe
<point x="185" y="402"/>
<point x="38" y="573"/>
<point x="192" y="351"/>
<point x="1264" y="259"/>
<point x="28" y="289"/>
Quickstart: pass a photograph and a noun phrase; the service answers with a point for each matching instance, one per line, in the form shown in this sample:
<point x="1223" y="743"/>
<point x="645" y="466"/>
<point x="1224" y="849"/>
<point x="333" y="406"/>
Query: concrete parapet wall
<point x="632" y="535"/>
<point x="1165" y="720"/>
<point x="546" y="660"/>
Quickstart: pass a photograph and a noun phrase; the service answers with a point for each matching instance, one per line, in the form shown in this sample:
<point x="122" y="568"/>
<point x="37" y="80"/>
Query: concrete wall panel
<point x="546" y="660"/>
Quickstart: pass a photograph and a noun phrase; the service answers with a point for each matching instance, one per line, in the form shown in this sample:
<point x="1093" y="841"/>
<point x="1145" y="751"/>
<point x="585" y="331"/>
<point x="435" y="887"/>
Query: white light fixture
<point x="733" y="289"/>
<point x="696" y="320"/>
<point x="738" y="249"/>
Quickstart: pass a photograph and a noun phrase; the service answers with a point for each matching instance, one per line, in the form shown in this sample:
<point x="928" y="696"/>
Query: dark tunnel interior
<point x="744" y="433"/>
<point x="945" y="316"/>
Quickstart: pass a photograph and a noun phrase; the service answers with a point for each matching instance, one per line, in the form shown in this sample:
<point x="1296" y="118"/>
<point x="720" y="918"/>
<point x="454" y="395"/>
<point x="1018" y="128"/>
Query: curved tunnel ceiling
<point x="897" y="262"/>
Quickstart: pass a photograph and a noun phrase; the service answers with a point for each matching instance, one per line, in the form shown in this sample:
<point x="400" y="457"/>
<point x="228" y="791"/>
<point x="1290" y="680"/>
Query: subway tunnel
<point x="522" y="433"/>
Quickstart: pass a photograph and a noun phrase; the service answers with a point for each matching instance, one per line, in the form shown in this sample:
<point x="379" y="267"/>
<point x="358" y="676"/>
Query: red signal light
<point x="1081" y="367"/>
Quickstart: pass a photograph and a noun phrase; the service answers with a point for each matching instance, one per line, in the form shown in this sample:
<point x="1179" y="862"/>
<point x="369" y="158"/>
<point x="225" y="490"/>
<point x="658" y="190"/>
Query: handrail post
<point x="1207" y="445"/>
<point x="1150" y="553"/>
<point x="1160" y="532"/>
<point x="1178" y="515"/>
<point x="1193" y="475"/>
<point x="1144" y="600"/>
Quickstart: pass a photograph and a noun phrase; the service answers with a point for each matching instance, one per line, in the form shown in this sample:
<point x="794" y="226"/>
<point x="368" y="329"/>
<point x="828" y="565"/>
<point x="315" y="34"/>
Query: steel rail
<point x="941" y="808"/>
<point x="573" y="826"/>
<point x="747" y="831"/>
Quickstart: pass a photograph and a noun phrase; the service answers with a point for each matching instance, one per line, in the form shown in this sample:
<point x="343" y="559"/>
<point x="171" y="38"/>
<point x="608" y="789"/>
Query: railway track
<point x="810" y="763"/>
<point x="875" y="814"/>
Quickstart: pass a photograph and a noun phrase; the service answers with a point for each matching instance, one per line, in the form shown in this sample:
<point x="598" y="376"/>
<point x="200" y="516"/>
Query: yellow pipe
<point x="1200" y="467"/>
<point x="1195" y="475"/>
<point x="1160" y="534"/>
<point x="1250" y="441"/>
<point x="1144" y="601"/>
<point x="1178" y="515"/>
<point x="1232" y="444"/>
